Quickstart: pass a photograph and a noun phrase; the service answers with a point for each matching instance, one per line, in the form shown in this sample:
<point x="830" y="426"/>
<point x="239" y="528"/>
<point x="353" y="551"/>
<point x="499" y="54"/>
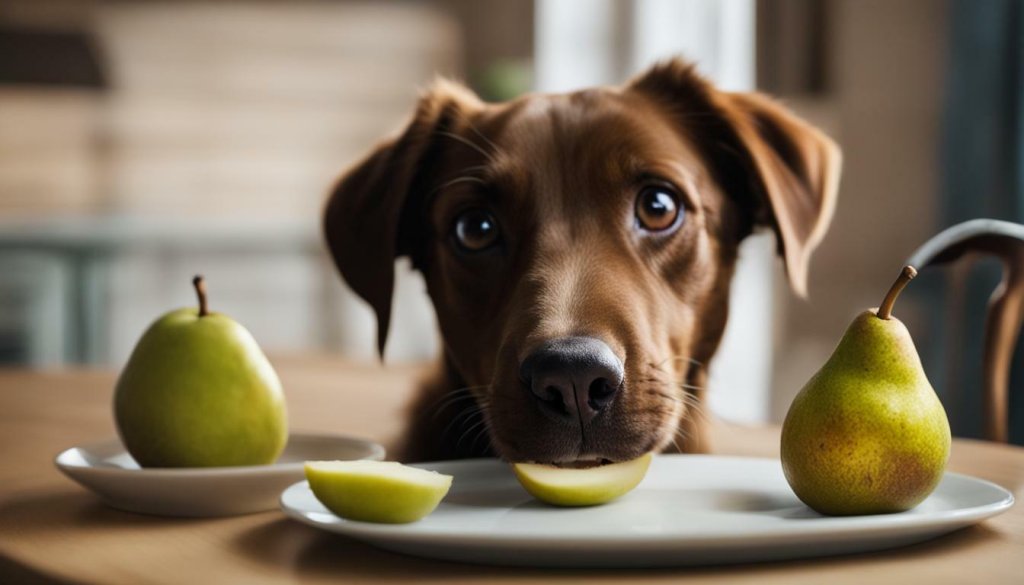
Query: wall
<point x="211" y="149"/>
<point x="882" y="103"/>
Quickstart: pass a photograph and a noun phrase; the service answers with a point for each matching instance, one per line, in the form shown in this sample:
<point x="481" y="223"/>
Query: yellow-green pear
<point x="581" y="487"/>
<point x="198" y="392"/>
<point x="867" y="434"/>
<point x="376" y="491"/>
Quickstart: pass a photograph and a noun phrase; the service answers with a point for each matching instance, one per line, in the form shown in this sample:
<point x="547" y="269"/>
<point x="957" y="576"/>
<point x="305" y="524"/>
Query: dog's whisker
<point x="680" y="439"/>
<point x="698" y="407"/>
<point x="465" y="433"/>
<point x="467" y="142"/>
<point x="482" y="433"/>
<point x="690" y="400"/>
<point x="659" y="366"/>
<point x="449" y="400"/>
<point x="463" y="389"/>
<point x="690" y="407"/>
<point x="494" y="147"/>
<point x="675" y="443"/>
<point x="463" y="416"/>
<point x="462" y="179"/>
<point x="473" y="169"/>
<point x="681" y="433"/>
<point x="469" y="124"/>
<point x="678" y="435"/>
<point x="682" y="385"/>
<point x="692" y="361"/>
<point x="694" y="406"/>
<point x="479" y="424"/>
<point x="674" y="399"/>
<point x="679" y="358"/>
<point x="452" y="402"/>
<point x="454" y="396"/>
<point x="466" y="175"/>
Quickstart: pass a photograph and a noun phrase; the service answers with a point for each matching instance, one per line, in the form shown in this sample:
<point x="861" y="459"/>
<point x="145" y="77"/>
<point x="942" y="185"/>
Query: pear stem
<point x="200" y="285"/>
<point x="885" y="309"/>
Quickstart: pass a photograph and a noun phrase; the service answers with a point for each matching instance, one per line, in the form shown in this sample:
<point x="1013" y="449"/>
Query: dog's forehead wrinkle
<point x="586" y="147"/>
<point x="552" y="125"/>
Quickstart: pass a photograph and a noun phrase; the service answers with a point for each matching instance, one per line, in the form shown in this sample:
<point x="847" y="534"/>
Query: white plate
<point x="108" y="470"/>
<point x="689" y="510"/>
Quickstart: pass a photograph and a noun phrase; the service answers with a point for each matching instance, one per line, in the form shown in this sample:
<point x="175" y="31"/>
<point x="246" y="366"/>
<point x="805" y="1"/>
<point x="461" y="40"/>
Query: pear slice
<point x="581" y="487"/>
<point x="376" y="491"/>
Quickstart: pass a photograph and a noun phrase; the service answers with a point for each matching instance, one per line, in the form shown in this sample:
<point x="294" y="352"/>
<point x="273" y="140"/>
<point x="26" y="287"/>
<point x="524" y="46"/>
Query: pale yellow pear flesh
<point x="377" y="491"/>
<point x="581" y="487"/>
<point x="867" y="434"/>
<point x="197" y="391"/>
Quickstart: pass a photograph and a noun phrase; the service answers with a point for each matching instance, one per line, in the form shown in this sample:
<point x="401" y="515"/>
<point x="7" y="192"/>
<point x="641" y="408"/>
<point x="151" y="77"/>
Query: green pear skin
<point x="867" y="434"/>
<point x="198" y="392"/>
<point x="376" y="491"/>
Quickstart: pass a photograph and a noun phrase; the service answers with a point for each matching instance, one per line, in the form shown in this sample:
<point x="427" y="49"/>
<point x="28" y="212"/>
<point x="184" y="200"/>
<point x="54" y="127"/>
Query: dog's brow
<point x="478" y="174"/>
<point x="504" y="171"/>
<point x="669" y="170"/>
<point x="673" y="171"/>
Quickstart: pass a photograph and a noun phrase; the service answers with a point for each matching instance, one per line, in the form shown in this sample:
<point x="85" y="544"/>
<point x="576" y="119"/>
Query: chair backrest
<point x="1005" y="241"/>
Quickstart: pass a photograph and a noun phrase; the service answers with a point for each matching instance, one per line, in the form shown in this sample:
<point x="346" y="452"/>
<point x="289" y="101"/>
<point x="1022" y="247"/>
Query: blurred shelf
<point x="180" y="233"/>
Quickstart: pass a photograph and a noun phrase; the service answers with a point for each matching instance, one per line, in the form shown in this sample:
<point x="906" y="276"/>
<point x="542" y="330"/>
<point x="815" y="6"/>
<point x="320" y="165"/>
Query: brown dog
<point x="578" y="250"/>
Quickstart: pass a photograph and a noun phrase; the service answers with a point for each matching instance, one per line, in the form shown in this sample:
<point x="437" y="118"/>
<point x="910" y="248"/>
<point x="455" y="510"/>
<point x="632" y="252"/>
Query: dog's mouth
<point x="582" y="463"/>
<point x="574" y="463"/>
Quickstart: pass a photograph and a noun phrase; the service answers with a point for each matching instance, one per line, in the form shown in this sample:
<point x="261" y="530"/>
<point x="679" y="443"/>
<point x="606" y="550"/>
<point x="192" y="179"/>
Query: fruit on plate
<point x="588" y="486"/>
<point x="867" y="434"/>
<point x="198" y="392"/>
<point x="376" y="491"/>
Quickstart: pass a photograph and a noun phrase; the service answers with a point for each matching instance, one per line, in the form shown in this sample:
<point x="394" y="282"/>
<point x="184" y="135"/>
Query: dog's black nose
<point x="573" y="377"/>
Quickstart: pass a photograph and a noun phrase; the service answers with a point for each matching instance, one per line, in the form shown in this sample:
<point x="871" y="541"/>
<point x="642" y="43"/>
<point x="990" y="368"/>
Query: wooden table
<point x="53" y="530"/>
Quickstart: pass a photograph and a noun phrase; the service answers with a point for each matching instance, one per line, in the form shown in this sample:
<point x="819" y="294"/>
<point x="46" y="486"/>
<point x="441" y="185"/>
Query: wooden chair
<point x="1005" y="241"/>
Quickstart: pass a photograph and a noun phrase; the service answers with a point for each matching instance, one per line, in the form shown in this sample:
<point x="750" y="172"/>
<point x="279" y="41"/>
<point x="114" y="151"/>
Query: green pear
<point x="867" y="434"/>
<point x="376" y="491"/>
<point x="581" y="487"/>
<point x="198" y="392"/>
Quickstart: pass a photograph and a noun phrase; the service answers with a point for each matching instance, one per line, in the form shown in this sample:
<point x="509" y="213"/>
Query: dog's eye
<point x="476" y="230"/>
<point x="657" y="208"/>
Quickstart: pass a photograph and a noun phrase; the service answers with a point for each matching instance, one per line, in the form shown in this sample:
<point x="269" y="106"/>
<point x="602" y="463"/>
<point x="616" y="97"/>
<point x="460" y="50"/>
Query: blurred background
<point x="143" y="142"/>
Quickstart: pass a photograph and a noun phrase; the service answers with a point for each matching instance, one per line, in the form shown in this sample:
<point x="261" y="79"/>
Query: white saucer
<point x="689" y="510"/>
<point x="108" y="470"/>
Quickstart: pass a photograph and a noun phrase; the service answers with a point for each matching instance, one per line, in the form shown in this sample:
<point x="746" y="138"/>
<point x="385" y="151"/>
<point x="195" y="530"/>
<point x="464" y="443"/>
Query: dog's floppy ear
<point x="798" y="168"/>
<point x="758" y="148"/>
<point x="368" y="219"/>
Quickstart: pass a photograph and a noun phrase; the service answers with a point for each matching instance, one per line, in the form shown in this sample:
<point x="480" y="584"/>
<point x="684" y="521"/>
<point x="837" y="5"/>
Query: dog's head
<point x="578" y="248"/>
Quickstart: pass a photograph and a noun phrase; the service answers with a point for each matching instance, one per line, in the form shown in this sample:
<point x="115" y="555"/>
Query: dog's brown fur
<point x="561" y="173"/>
